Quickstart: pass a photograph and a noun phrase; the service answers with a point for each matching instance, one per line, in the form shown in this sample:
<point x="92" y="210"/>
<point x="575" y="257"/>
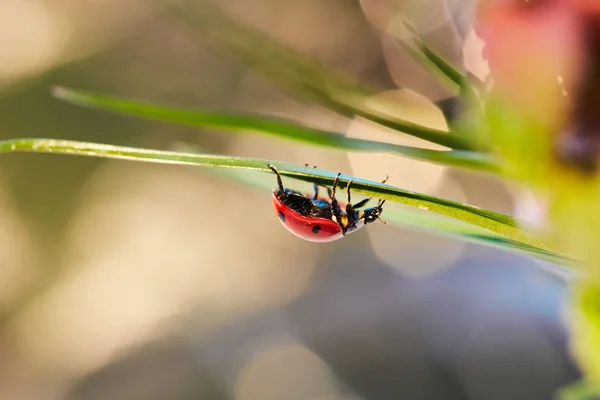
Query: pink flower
<point x="544" y="57"/>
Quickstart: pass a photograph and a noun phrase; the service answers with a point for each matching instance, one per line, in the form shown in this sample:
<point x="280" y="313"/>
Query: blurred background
<point x="122" y="280"/>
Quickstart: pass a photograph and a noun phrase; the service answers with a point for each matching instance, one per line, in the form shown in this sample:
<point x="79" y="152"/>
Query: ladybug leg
<point x="329" y="192"/>
<point x="335" y="185"/>
<point x="349" y="206"/>
<point x="361" y="203"/>
<point x="316" y="189"/>
<point x="279" y="182"/>
<point x="337" y="210"/>
<point x="348" y="191"/>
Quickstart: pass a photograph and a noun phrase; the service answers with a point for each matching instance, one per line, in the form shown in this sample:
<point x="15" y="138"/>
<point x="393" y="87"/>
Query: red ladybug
<point x="320" y="220"/>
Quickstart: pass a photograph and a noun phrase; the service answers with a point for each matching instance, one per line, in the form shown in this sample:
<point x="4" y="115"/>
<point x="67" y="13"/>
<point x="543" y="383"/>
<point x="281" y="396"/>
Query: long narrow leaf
<point x="492" y="221"/>
<point x="298" y="72"/>
<point x="273" y="126"/>
<point x="427" y="222"/>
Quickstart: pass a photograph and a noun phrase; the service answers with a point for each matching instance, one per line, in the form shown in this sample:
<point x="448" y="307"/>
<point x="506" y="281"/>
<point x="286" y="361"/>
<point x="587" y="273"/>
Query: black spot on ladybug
<point x="316" y="229"/>
<point x="281" y="216"/>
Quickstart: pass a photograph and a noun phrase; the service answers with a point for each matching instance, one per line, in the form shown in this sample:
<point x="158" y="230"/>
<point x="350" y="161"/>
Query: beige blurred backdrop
<point x="99" y="258"/>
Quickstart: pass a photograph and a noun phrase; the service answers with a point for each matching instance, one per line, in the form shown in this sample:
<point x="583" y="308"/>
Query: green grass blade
<point x="422" y="221"/>
<point x="495" y="222"/>
<point x="304" y="76"/>
<point x="414" y="45"/>
<point x="273" y="126"/>
<point x="437" y="224"/>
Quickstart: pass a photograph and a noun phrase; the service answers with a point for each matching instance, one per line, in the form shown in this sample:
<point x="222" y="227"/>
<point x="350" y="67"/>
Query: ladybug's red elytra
<point x="321" y="220"/>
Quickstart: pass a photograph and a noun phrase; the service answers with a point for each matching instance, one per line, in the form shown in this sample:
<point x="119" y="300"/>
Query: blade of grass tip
<point x="492" y="221"/>
<point x="291" y="69"/>
<point x="469" y="86"/>
<point x="414" y="44"/>
<point x="272" y="126"/>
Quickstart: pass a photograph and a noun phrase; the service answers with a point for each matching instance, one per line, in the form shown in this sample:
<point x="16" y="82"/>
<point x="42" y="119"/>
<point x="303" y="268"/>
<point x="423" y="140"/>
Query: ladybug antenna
<point x="279" y="182"/>
<point x="386" y="178"/>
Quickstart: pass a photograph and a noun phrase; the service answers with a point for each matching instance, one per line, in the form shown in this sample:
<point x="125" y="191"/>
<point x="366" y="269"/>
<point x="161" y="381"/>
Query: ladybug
<point x="321" y="220"/>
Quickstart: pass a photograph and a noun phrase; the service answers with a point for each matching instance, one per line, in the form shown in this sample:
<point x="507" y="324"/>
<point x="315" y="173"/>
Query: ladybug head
<point x="374" y="213"/>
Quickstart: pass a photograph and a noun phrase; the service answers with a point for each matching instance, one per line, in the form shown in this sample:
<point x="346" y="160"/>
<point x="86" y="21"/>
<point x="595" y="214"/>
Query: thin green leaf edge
<point x="273" y="126"/>
<point x="292" y="69"/>
<point x="492" y="221"/>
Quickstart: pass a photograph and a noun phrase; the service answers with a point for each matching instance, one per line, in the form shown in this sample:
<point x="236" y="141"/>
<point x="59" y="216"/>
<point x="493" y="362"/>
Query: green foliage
<point x="496" y="139"/>
<point x="278" y="127"/>
<point x="302" y="75"/>
<point x="337" y="93"/>
<point x="579" y="391"/>
<point x="420" y="51"/>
